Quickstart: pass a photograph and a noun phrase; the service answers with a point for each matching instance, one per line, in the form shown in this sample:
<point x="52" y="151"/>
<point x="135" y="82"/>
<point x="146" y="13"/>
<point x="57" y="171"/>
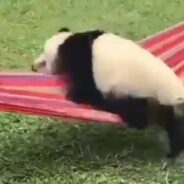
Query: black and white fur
<point x="117" y="75"/>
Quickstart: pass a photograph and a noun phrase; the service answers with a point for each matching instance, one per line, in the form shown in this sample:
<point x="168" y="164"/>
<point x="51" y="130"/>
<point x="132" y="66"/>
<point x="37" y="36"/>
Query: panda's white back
<point x="124" y="68"/>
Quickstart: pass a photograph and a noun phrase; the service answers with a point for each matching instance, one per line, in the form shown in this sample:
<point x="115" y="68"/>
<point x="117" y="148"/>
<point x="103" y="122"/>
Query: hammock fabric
<point x="44" y="95"/>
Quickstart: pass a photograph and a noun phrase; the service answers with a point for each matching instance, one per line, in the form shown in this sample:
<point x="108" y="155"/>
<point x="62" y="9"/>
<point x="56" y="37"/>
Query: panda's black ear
<point x="64" y="29"/>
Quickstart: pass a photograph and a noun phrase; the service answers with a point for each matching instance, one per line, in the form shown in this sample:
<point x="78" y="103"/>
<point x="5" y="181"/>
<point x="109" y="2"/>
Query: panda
<point x="117" y="75"/>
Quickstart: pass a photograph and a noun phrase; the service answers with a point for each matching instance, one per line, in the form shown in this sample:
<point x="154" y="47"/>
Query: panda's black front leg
<point x="86" y="95"/>
<point x="76" y="95"/>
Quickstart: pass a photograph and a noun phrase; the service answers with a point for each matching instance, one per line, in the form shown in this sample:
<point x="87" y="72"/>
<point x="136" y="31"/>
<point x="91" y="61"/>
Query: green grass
<point x="43" y="151"/>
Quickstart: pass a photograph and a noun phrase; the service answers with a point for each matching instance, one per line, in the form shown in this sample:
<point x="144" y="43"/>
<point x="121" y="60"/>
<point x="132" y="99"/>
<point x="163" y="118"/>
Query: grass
<point x="43" y="151"/>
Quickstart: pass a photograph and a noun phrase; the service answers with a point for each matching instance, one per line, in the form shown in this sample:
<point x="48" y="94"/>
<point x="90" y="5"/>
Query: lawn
<point x="37" y="150"/>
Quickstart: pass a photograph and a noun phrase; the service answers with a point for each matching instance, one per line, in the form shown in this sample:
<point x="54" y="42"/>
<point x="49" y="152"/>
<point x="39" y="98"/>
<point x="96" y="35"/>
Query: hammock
<point x="44" y="95"/>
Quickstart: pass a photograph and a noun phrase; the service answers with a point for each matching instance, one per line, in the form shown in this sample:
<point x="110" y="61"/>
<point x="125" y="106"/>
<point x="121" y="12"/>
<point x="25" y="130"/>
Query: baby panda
<point x="117" y="75"/>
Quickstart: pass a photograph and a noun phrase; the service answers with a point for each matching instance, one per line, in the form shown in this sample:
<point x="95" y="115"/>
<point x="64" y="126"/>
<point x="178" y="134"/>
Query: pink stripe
<point x="62" y="110"/>
<point x="33" y="80"/>
<point x="169" y="46"/>
<point x="180" y="72"/>
<point x="38" y="112"/>
<point x="30" y="93"/>
<point x="176" y="59"/>
<point x="161" y="44"/>
<point x="23" y="82"/>
<point x="39" y="96"/>
<point x="17" y="98"/>
<point x="163" y="36"/>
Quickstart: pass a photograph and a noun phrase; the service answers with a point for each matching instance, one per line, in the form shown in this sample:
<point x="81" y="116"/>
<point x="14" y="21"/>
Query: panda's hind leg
<point x="137" y="113"/>
<point x="173" y="123"/>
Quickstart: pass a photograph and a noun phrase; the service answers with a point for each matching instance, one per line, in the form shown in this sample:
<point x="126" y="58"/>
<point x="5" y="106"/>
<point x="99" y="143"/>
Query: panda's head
<point x="46" y="62"/>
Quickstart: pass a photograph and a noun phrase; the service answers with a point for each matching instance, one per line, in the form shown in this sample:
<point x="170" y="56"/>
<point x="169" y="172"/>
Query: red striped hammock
<point x="44" y="95"/>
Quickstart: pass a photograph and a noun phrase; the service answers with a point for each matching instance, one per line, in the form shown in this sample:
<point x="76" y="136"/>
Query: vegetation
<point x="37" y="150"/>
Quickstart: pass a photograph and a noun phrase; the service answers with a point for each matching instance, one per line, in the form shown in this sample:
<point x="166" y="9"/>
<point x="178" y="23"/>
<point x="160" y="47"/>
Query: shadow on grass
<point x="66" y="148"/>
